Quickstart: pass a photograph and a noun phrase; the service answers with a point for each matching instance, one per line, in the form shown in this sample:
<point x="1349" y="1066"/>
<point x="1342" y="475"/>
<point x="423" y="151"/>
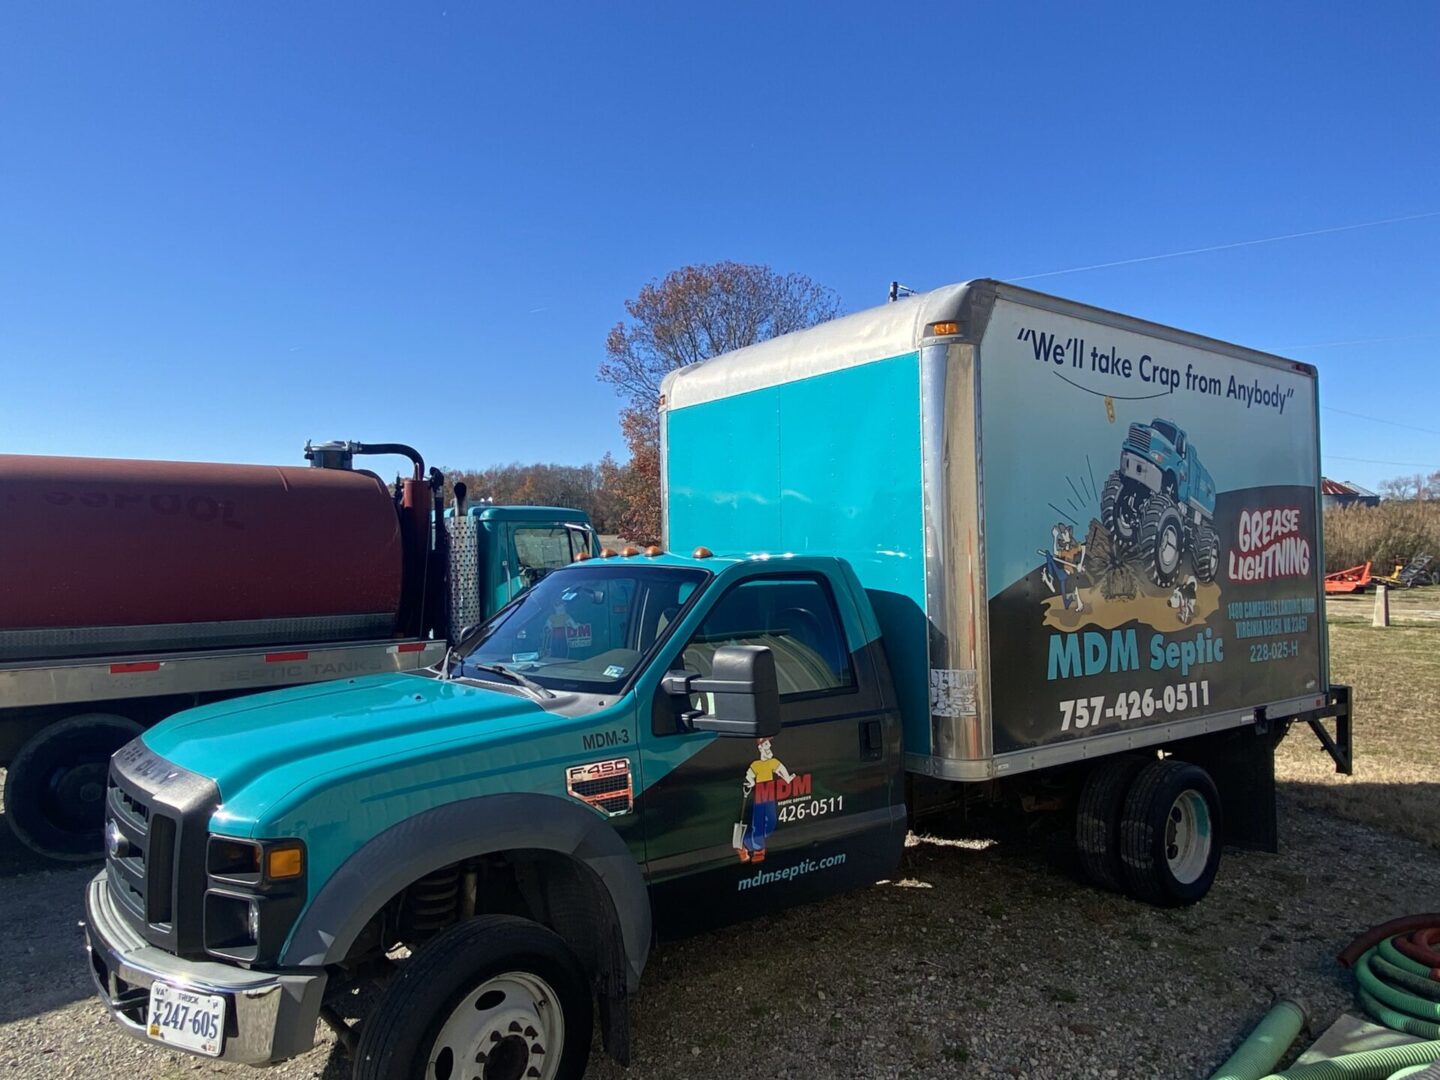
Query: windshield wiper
<point x="514" y="676"/>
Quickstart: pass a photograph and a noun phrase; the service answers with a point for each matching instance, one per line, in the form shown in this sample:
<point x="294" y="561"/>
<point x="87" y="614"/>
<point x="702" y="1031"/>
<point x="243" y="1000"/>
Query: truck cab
<point x="637" y="747"/>
<point x="519" y="545"/>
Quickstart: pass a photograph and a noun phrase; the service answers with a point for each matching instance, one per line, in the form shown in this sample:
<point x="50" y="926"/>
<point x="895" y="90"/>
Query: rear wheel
<point x="1206" y="554"/>
<point x="1170" y="834"/>
<point x="55" y="786"/>
<point x="1097" y="820"/>
<point x="493" y="998"/>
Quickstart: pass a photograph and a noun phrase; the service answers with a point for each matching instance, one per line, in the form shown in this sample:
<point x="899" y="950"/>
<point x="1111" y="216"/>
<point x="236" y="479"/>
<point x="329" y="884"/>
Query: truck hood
<point x="261" y="747"/>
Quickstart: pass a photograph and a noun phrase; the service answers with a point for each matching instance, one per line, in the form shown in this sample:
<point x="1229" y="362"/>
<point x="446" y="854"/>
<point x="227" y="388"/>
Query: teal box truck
<point x="893" y="588"/>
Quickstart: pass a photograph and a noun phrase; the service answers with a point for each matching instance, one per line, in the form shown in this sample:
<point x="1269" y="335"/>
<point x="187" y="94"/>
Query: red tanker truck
<point x="132" y="589"/>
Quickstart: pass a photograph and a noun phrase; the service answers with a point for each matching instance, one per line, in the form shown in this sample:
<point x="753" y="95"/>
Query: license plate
<point x="185" y="1019"/>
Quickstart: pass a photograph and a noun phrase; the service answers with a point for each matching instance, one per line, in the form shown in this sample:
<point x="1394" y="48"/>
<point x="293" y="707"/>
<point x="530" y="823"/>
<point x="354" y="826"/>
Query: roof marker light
<point x="653" y="550"/>
<point x="629" y="549"/>
<point x="607" y="553"/>
<point x="702" y="553"/>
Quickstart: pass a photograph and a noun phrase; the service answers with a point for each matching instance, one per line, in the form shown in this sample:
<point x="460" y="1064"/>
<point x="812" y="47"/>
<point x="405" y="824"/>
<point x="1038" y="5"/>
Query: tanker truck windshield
<point x="582" y="629"/>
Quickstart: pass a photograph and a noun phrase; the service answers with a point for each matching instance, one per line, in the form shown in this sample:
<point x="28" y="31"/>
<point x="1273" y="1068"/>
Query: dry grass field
<point x="1395" y="673"/>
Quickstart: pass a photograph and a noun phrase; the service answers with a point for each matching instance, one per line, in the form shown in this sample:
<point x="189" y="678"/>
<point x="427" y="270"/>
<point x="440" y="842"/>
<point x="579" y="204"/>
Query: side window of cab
<point x="795" y="618"/>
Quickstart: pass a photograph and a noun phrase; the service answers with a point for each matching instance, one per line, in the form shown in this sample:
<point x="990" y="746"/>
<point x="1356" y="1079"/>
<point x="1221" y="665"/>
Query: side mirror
<point x="744" y="691"/>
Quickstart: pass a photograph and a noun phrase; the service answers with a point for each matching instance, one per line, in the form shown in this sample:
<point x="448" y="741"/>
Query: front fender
<point x="410" y="849"/>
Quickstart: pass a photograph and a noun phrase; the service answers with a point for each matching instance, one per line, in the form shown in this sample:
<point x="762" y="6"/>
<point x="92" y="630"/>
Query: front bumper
<point x="268" y="1017"/>
<point x="1140" y="469"/>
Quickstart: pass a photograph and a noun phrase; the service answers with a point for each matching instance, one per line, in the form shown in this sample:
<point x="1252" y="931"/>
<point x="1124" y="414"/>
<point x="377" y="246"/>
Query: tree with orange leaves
<point x="690" y="315"/>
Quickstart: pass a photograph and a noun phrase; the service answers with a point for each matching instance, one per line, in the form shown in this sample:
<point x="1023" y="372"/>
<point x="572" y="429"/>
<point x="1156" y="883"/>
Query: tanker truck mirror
<point x="742" y="694"/>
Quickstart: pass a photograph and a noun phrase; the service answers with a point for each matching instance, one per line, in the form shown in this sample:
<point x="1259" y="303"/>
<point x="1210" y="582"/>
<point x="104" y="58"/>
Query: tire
<point x="425" y="1025"/>
<point x="1162" y="540"/>
<point x="1170" y="834"/>
<point x="1205" y="556"/>
<point x="1097" y="820"/>
<point x="55" y="786"/>
<point x="1120" y="513"/>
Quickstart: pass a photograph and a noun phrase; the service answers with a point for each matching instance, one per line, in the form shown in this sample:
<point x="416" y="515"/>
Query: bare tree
<point x="692" y="314"/>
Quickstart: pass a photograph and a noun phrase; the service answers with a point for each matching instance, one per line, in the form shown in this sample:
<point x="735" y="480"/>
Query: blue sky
<point x="225" y="228"/>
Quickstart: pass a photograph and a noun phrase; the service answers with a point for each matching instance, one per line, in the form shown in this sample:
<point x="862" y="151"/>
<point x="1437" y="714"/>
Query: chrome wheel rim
<point x="1169" y="548"/>
<point x="1188" y="837"/>
<point x="510" y="1027"/>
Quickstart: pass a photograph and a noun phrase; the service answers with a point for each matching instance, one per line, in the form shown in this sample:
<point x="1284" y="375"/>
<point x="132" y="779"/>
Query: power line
<point x="1373" y="461"/>
<point x="1380" y="420"/>
<point x="1354" y="341"/>
<point x="1228" y="247"/>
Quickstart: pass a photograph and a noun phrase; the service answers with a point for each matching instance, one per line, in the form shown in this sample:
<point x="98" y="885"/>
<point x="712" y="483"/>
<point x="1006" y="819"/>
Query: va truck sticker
<point x="1151" y="531"/>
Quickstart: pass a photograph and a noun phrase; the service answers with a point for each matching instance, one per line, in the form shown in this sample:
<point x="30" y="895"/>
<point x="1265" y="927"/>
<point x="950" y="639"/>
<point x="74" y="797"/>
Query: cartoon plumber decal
<point x="751" y="838"/>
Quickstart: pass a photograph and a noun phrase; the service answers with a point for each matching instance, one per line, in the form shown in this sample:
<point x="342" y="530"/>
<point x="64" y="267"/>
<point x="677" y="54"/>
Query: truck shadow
<point x="41" y="954"/>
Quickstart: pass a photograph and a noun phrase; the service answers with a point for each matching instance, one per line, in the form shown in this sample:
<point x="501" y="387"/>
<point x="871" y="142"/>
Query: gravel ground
<point x="980" y="960"/>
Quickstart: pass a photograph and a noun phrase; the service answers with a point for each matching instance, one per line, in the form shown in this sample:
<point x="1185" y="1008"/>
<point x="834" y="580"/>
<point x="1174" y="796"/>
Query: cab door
<point x="735" y="826"/>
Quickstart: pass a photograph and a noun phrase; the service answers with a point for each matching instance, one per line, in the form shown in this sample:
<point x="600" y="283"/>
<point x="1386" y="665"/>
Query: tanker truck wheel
<point x="495" y="997"/>
<point x="55" y="786"/>
<point x="1162" y="540"/>
<point x="1170" y="834"/>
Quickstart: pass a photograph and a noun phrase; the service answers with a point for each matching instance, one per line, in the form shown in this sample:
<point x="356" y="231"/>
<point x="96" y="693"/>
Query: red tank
<point x="104" y="555"/>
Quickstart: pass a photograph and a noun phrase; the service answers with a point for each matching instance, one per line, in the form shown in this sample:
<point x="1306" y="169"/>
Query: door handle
<point x="872" y="740"/>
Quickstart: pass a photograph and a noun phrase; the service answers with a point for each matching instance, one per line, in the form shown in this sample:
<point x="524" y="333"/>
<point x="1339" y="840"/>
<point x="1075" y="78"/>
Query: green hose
<point x="1387" y="950"/>
<point x="1369" y="1065"/>
<point x="1392" y="1006"/>
<point x="1266" y="1045"/>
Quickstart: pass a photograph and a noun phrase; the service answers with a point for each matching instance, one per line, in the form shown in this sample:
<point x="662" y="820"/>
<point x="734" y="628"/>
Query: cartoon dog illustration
<point x="1183" y="599"/>
<point x="751" y="838"/>
<point x="1064" y="563"/>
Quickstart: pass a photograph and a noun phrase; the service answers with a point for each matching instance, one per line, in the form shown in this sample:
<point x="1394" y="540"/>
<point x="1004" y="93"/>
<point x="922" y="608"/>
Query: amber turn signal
<point x="941" y="329"/>
<point x="284" y="863"/>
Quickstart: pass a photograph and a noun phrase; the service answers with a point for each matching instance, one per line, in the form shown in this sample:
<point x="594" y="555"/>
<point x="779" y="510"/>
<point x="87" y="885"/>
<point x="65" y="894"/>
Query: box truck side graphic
<point x="903" y="593"/>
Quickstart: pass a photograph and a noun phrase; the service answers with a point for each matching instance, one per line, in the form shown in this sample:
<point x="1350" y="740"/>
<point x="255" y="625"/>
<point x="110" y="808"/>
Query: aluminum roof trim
<point x="875" y="334"/>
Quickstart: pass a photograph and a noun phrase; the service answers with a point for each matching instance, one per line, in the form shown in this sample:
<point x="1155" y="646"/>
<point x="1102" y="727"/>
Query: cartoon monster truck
<point x="1160" y="504"/>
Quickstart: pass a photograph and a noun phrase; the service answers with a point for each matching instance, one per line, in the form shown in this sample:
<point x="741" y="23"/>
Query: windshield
<point x="1166" y="429"/>
<point x="583" y="628"/>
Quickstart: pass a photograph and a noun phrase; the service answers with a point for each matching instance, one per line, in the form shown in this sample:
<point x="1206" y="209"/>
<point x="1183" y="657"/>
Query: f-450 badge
<point x="604" y="785"/>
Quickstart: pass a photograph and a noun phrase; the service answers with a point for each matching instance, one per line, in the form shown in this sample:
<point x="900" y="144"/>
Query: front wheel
<point x="1162" y="540"/>
<point x="1120" y="509"/>
<point x="493" y="998"/>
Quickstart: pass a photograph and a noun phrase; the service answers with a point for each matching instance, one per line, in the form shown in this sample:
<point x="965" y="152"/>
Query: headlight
<point x="255" y="891"/>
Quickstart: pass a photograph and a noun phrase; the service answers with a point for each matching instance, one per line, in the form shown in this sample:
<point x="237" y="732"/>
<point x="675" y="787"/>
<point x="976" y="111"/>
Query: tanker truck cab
<point x="638" y="747"/>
